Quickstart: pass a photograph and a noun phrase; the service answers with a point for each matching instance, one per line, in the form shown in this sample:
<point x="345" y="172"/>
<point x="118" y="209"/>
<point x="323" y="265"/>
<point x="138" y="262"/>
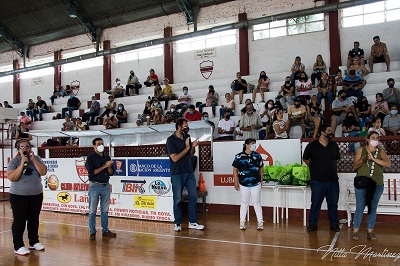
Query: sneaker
<point x="312" y="228"/>
<point x="196" y="226"/>
<point x="109" y="234"/>
<point x="334" y="228"/>
<point x="260" y="225"/>
<point x="22" y="251"/>
<point x="242" y="225"/>
<point x="177" y="227"/>
<point x="92" y="237"/>
<point x="38" y="246"/>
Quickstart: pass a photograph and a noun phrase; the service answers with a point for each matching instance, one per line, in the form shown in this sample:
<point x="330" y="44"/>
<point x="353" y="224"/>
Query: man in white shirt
<point x="226" y="127"/>
<point x="184" y="101"/>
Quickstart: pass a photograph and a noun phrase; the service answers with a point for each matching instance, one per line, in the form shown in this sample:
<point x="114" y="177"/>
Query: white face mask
<point x="100" y="148"/>
<point x="373" y="143"/>
<point x="253" y="147"/>
<point x="393" y="112"/>
<point x="172" y="109"/>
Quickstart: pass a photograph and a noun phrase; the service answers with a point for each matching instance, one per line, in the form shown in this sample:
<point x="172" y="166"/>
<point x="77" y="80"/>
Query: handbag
<point x="361" y="182"/>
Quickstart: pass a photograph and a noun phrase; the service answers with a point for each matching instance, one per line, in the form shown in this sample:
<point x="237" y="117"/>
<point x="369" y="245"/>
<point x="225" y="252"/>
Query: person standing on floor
<point x="180" y="150"/>
<point x="26" y="196"/>
<point x="321" y="156"/>
<point x="100" y="168"/>
<point x="369" y="162"/>
<point x="247" y="173"/>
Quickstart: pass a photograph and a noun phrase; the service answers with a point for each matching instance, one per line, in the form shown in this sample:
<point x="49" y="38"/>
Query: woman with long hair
<point x="363" y="110"/>
<point x="304" y="86"/>
<point x="376" y="125"/>
<point x="263" y="83"/>
<point x="247" y="173"/>
<point x="318" y="68"/>
<point x="122" y="114"/>
<point x="266" y="115"/>
<point x="369" y="162"/>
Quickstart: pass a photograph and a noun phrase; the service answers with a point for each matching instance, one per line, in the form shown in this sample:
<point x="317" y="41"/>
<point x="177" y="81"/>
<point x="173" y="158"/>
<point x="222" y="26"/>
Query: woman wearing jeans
<point x="369" y="161"/>
<point x="26" y="196"/>
<point x="247" y="172"/>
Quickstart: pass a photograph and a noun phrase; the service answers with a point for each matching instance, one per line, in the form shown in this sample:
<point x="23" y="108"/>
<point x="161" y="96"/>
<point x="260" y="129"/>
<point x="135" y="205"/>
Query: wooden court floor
<point x="66" y="237"/>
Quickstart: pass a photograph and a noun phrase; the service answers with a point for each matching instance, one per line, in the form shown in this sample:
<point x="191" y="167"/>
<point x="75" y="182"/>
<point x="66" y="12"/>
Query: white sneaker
<point x="260" y="225"/>
<point x="177" y="228"/>
<point x="22" y="251"/>
<point x="196" y="226"/>
<point x="242" y="225"/>
<point x="38" y="246"/>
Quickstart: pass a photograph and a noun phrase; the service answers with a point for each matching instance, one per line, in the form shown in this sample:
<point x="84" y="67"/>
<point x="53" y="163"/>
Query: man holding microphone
<point x="99" y="167"/>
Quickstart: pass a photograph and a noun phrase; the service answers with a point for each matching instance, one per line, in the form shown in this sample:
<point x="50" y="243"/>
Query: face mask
<point x="185" y="92"/>
<point x="253" y="147"/>
<point x="302" y="78"/>
<point x="391" y="86"/>
<point x="263" y="76"/>
<point x="205" y="118"/>
<point x="172" y="109"/>
<point x="120" y="108"/>
<point x="329" y="136"/>
<point x="393" y="112"/>
<point x="185" y="130"/>
<point x="343" y="97"/>
<point x="100" y="148"/>
<point x="118" y="83"/>
<point x="111" y="115"/>
<point x="297" y="105"/>
<point x="227" y="117"/>
<point x="191" y="112"/>
<point x="270" y="106"/>
<point x="287" y="82"/>
<point x="373" y="143"/>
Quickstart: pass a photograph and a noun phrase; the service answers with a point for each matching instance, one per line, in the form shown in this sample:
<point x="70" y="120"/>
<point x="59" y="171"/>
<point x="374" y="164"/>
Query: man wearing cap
<point x="379" y="54"/>
<point x="297" y="114"/>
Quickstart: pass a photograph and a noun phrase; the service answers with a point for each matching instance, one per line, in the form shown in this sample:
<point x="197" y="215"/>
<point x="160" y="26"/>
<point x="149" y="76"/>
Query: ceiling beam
<point x="78" y="14"/>
<point x="12" y="40"/>
<point x="187" y="10"/>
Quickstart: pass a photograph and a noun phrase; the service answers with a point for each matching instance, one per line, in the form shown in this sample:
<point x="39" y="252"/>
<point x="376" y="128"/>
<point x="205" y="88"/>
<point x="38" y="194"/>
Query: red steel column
<point x="16" y="84"/>
<point x="244" y="47"/>
<point x="334" y="39"/>
<point x="106" y="67"/>
<point x="57" y="69"/>
<point x="168" y="56"/>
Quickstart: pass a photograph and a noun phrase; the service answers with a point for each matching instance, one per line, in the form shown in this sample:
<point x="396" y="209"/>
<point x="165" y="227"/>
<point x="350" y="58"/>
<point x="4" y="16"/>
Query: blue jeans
<point x="31" y="113"/>
<point x="178" y="183"/>
<point x="213" y="104"/>
<point x="293" y="77"/>
<point x="69" y="109"/>
<point x="319" y="191"/>
<point x="363" y="121"/>
<point x="329" y="94"/>
<point x="360" y="206"/>
<point x="41" y="112"/>
<point x="97" y="191"/>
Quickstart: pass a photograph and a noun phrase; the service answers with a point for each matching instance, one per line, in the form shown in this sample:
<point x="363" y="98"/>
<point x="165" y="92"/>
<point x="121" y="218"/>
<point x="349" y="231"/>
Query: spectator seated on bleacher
<point x="68" y="125"/>
<point x="56" y="94"/>
<point x="30" y="110"/>
<point x="166" y="94"/>
<point x="391" y="123"/>
<point x="110" y="106"/>
<point x="146" y="114"/>
<point x="353" y="85"/>
<point x="172" y="115"/>
<point x="206" y="119"/>
<point x="193" y="114"/>
<point x="157" y="118"/>
<point x="132" y="85"/>
<point x="26" y="120"/>
<point x="286" y="94"/>
<point x="314" y="116"/>
<point x="22" y="133"/>
<point x="67" y="91"/>
<point x="363" y="111"/>
<point x="41" y="107"/>
<point x="360" y="70"/>
<point x="121" y="114"/>
<point x="250" y="123"/>
<point x="376" y="125"/>
<point x="325" y="88"/>
<point x="211" y="100"/>
<point x="152" y="79"/>
<point x="93" y="112"/>
<point x="6" y="105"/>
<point x="355" y="52"/>
<point x="340" y="107"/>
<point x="185" y="99"/>
<point x="297" y="115"/>
<point x="118" y="89"/>
<point x="226" y="127"/>
<point x="73" y="103"/>
<point x="262" y="86"/>
<point x="239" y="85"/>
<point x="243" y="110"/>
<point x="303" y="87"/>
<point x="227" y="107"/>
<point x="338" y="81"/>
<point x="80" y="125"/>
<point x="157" y="91"/>
<point x="380" y="108"/>
<point x="266" y="113"/>
<point x="379" y="54"/>
<point x="110" y="121"/>
<point x="318" y="68"/>
<point x="280" y="126"/>
<point x="350" y="126"/>
<point x="391" y="94"/>
<point x="296" y="69"/>
<point x="237" y="133"/>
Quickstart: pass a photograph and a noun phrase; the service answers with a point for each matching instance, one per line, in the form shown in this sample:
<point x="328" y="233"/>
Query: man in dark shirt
<point x="239" y="85"/>
<point x="93" y="112"/>
<point x="353" y="85"/>
<point x="73" y="104"/>
<point x="321" y="156"/>
<point x="180" y="150"/>
<point x="41" y="107"/>
<point x="355" y="52"/>
<point x="99" y="167"/>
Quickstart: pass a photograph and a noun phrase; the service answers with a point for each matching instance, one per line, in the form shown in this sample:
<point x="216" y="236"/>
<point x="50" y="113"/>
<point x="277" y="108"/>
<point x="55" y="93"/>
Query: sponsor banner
<point x="270" y="150"/>
<point x="120" y="167"/>
<point x="149" y="167"/>
<point x="205" y="53"/>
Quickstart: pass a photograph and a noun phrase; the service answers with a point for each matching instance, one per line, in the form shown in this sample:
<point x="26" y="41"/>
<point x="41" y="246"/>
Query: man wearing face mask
<point x="340" y="107"/>
<point x="391" y="123"/>
<point x="180" y="150"/>
<point x="184" y="101"/>
<point x="226" y="127"/>
<point x="297" y="114"/>
<point x="250" y="123"/>
<point x="118" y="90"/>
<point x="206" y="119"/>
<point x="172" y="115"/>
<point x="73" y="103"/>
<point x="93" y="112"/>
<point x="193" y="114"/>
<point x="100" y="167"/>
<point x="321" y="156"/>
<point x="391" y="94"/>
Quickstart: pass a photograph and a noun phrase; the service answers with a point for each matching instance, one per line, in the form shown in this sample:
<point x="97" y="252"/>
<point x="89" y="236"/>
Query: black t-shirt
<point x="288" y="87"/>
<point x="353" y="53"/>
<point x="174" y="146"/>
<point x="41" y="104"/>
<point x="73" y="102"/>
<point x="323" y="160"/>
<point x="239" y="86"/>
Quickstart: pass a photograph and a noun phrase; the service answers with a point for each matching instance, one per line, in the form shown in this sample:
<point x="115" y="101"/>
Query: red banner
<point x="224" y="180"/>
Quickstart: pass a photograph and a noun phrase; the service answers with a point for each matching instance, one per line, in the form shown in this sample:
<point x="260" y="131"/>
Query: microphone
<point x="25" y="153"/>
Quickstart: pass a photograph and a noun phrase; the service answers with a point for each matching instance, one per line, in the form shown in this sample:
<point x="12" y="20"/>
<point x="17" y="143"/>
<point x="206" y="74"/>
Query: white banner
<point x="206" y="53"/>
<point x="37" y="81"/>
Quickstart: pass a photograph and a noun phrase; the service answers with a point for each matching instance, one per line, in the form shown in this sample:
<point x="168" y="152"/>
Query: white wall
<point x="91" y="79"/>
<point x="6" y="92"/>
<point x="30" y="91"/>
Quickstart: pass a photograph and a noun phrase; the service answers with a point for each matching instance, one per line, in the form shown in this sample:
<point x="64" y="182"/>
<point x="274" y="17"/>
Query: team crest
<point x="206" y="68"/>
<point x="81" y="170"/>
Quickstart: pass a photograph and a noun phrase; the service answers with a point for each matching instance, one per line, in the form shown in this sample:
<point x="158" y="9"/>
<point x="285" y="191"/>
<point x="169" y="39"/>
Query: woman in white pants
<point x="247" y="172"/>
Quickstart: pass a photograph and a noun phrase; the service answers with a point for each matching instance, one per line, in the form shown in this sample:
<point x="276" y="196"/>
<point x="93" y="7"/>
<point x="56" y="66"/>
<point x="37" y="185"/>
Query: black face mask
<point x="263" y="76"/>
<point x="287" y="82"/>
<point x="297" y="105"/>
<point x="391" y="86"/>
<point x="329" y="136"/>
<point x="185" y="130"/>
<point x="343" y="97"/>
<point x="303" y="78"/>
<point x="228" y="117"/>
